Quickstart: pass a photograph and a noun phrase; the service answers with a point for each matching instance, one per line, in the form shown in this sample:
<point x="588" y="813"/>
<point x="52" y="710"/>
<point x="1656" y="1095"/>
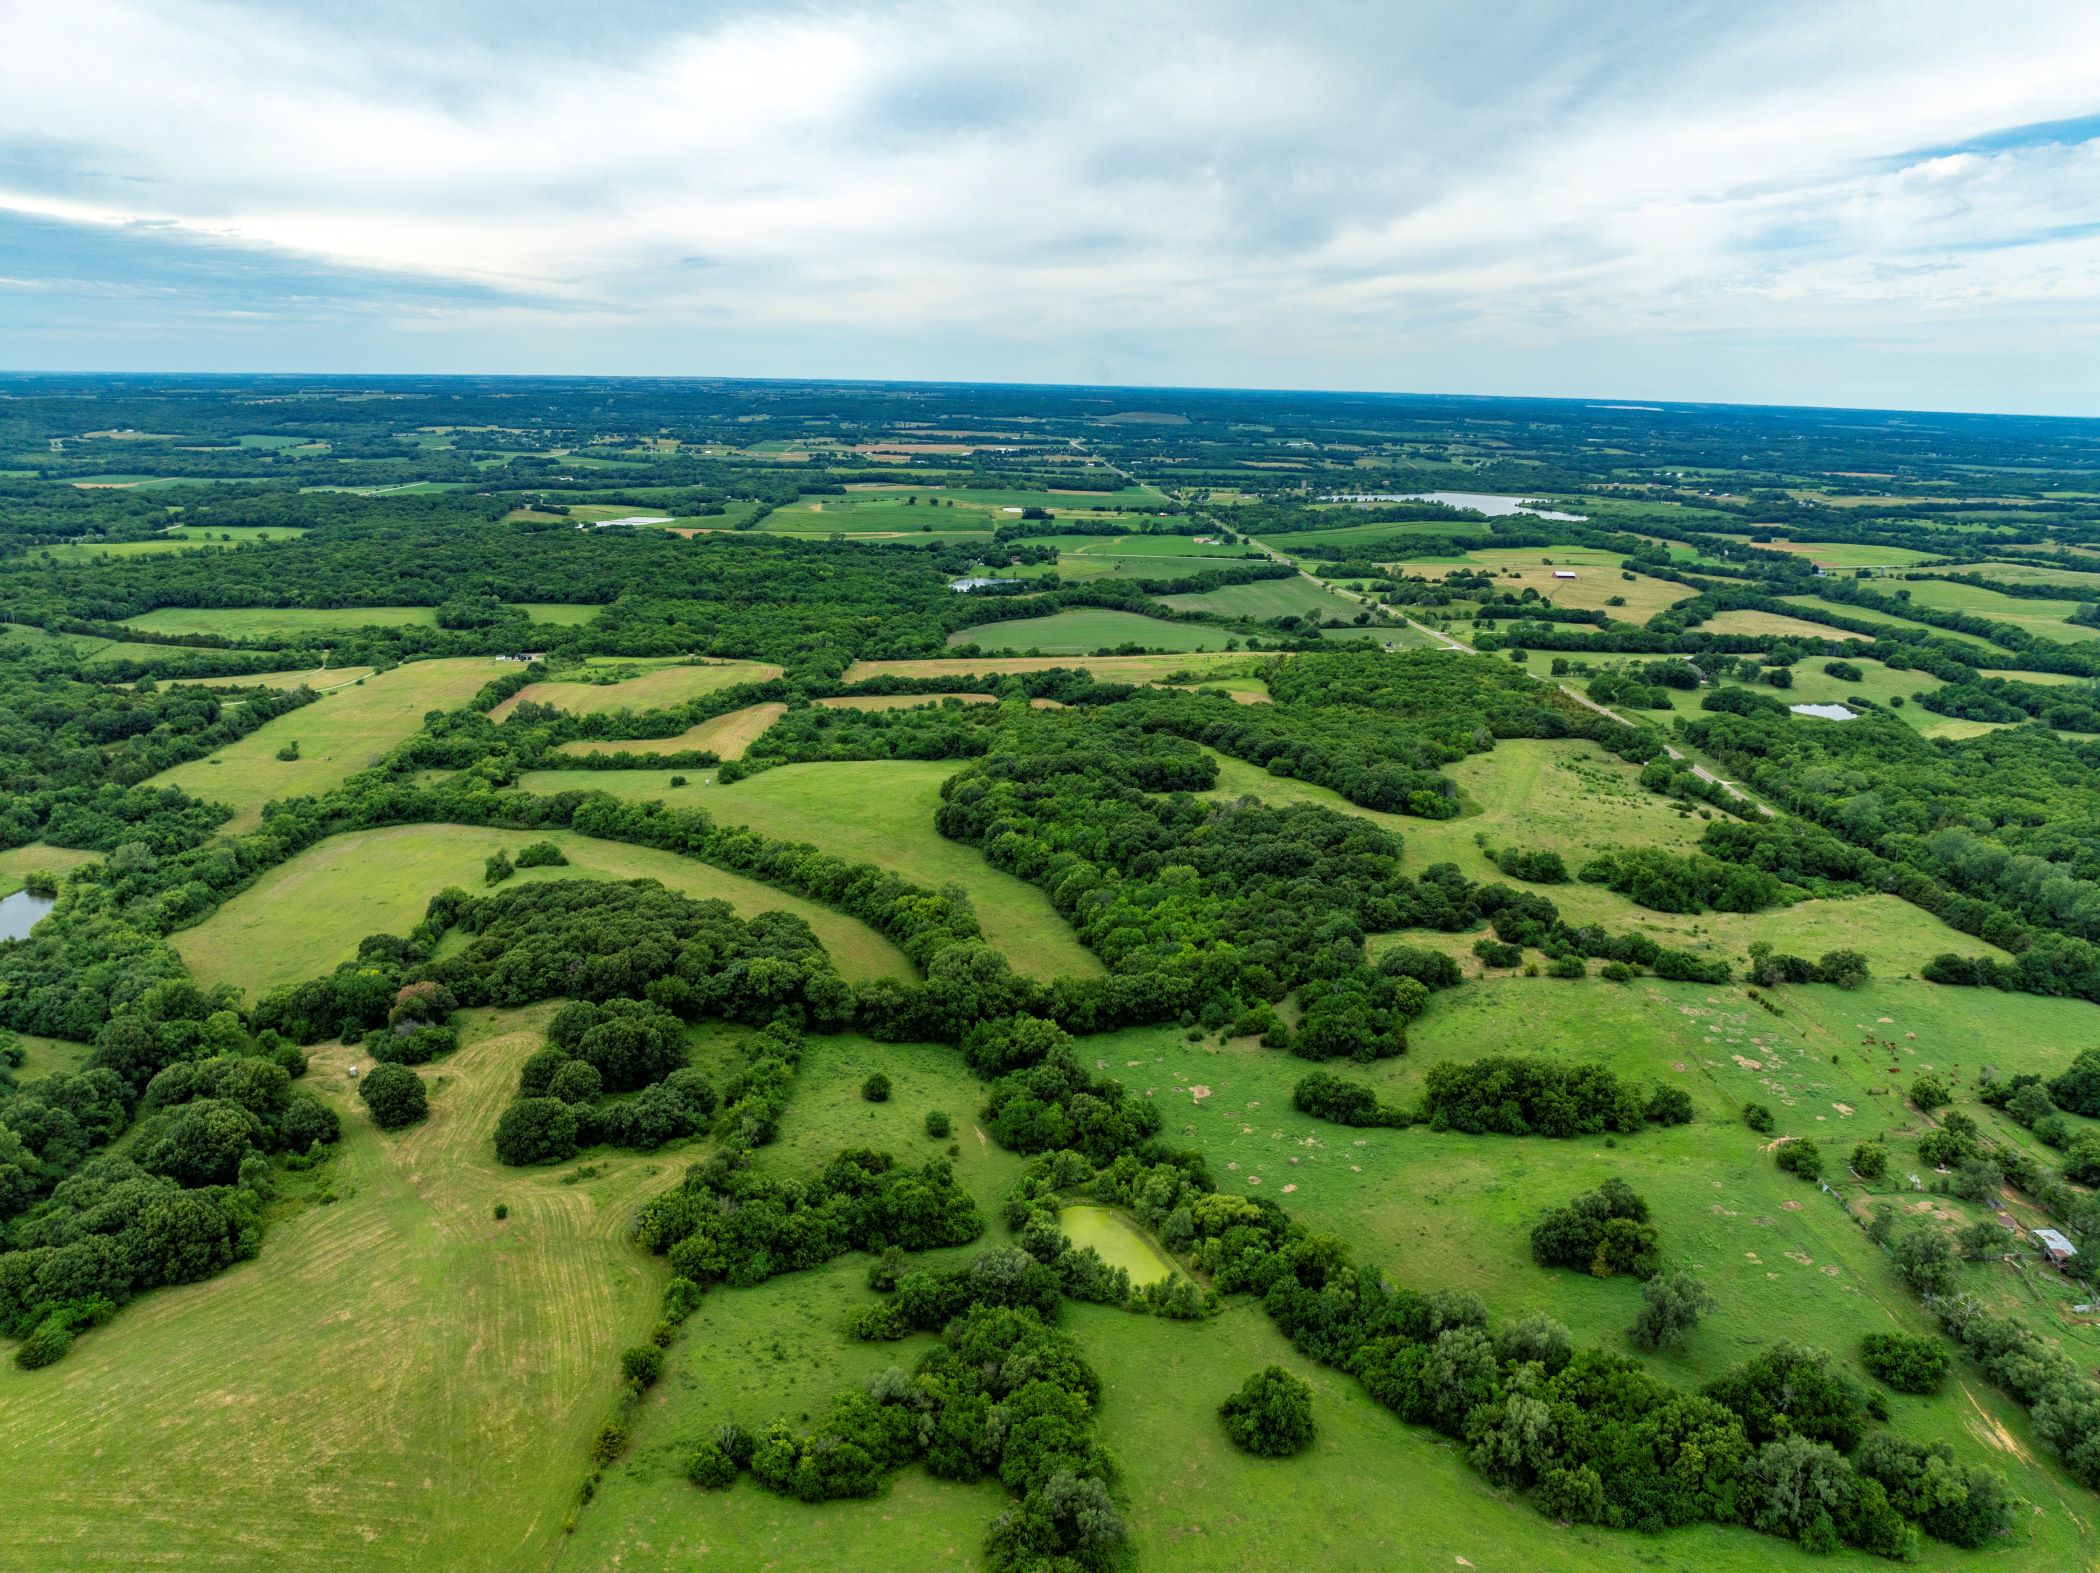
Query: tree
<point x="497" y="868"/>
<point x="394" y="1095"/>
<point x="536" y="1130"/>
<point x="1270" y="1415"/>
<point x="938" y="1125"/>
<point x="1672" y="1304"/>
<point x="1800" y="1156"/>
<point x="1929" y="1093"/>
<point x="1909" y="1365"/>
<point x="1870" y="1160"/>
<point x="1845" y="968"/>
<point x="1758" y="1117"/>
<point x="876" y="1089"/>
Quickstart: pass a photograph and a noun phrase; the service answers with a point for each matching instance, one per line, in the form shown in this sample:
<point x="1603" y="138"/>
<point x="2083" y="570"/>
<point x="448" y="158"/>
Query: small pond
<point x="19" y="913"/>
<point x="1829" y="712"/>
<point x="1118" y="1239"/>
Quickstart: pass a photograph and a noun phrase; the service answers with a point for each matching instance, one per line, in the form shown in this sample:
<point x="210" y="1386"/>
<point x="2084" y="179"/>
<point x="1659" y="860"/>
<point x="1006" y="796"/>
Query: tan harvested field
<point x="727" y="735"/>
<point x="1591" y="589"/>
<point x="1774" y="623"/>
<point x="651" y="688"/>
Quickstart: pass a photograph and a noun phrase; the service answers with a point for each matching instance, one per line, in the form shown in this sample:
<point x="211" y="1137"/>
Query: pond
<point x="19" y="913"/>
<point x="1489" y="503"/>
<point x="1829" y="712"/>
<point x="1120" y="1242"/>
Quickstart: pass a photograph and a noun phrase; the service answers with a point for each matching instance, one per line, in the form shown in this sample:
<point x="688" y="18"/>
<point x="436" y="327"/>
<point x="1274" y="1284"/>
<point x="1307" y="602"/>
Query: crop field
<point x="727" y="735"/>
<point x="346" y="730"/>
<point x="878" y="811"/>
<point x="306" y="915"/>
<point x="638" y="687"/>
<point x="1079" y="632"/>
<point x="1266" y="598"/>
<point x="483" y="1355"/>
<point x="1745" y="622"/>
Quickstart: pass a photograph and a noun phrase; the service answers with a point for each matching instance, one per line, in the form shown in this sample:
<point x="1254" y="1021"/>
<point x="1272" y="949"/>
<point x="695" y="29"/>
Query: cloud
<point x="1641" y="199"/>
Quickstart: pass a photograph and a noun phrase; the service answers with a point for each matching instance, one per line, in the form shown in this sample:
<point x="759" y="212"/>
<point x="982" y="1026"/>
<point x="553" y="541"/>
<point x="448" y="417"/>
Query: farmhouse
<point x="2058" y="1249"/>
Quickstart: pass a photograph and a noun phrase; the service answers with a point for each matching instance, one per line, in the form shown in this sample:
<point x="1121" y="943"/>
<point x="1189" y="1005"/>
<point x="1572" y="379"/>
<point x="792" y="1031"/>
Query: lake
<point x="1495" y="507"/>
<point x="19" y="913"/>
<point x="1830" y="712"/>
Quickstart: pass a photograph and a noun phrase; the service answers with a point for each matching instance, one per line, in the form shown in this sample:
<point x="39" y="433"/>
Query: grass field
<point x="270" y="622"/>
<point x="1797" y="627"/>
<point x="236" y="534"/>
<point x="1847" y="555"/>
<point x="17" y="863"/>
<point x="878" y="811"/>
<point x="728" y="735"/>
<point x="2026" y="573"/>
<point x="1983" y="649"/>
<point x="1297" y="597"/>
<point x="1373" y="535"/>
<point x="901" y="701"/>
<point x="304" y="916"/>
<point x="319" y="679"/>
<point x="649" y="688"/>
<point x="2043" y="619"/>
<point x="92" y="551"/>
<point x="1593" y="586"/>
<point x="1077" y="632"/>
<point x="397" y="1373"/>
<point x="344" y="731"/>
<point x="1136" y="553"/>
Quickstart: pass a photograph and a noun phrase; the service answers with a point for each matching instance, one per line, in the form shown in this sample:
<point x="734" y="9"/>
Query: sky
<point x="1837" y="203"/>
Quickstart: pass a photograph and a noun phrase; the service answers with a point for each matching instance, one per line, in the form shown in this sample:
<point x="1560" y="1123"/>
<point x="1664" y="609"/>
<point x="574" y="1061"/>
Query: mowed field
<point x="727" y="735"/>
<point x="18" y="863"/>
<point x="1595" y="583"/>
<point x="273" y="622"/>
<point x="639" y="687"/>
<point x="319" y="679"/>
<point x="1265" y="598"/>
<point x="1746" y="622"/>
<point x="347" y="729"/>
<point x="877" y="811"/>
<point x="1984" y="649"/>
<point x="398" y="1375"/>
<point x="306" y="915"/>
<point x="2043" y="619"/>
<point x="1088" y="629"/>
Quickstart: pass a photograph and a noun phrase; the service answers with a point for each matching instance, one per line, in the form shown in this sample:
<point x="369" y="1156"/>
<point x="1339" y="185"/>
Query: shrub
<point x="1600" y="1232"/>
<point x="577" y="1081"/>
<point x="1909" y="1365"/>
<point x="394" y="1095"/>
<point x="709" y="1466"/>
<point x="536" y="1130"/>
<point x="1270" y="1415"/>
<point x="541" y="854"/>
<point x="502" y="1211"/>
<point x="1870" y="1160"/>
<point x="1800" y="1156"/>
<point x="498" y="868"/>
<point x="1669" y="1106"/>
<point x="642" y="1365"/>
<point x="938" y="1125"/>
<point x="1568" y="967"/>
<point x="1929" y="1093"/>
<point x="876" y="1089"/>
<point x="1759" y="1118"/>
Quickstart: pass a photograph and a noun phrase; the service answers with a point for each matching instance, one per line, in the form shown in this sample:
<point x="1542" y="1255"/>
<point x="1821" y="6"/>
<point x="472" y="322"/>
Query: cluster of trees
<point x="1664" y="881"/>
<point x="1042" y="1099"/>
<point x="1270" y="1415"/>
<point x="1600" y="1232"/>
<point x="1529" y="1095"/>
<point x="1329" y="1097"/>
<point x="594" y="1048"/>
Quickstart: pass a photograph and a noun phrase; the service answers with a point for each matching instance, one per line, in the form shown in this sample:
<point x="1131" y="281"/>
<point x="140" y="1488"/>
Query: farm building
<point x="1563" y="573"/>
<point x="2058" y="1249"/>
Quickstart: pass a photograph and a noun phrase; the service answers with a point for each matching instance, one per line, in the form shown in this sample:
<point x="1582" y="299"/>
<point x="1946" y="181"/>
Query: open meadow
<point x="637" y="686"/>
<point x="1083" y="632"/>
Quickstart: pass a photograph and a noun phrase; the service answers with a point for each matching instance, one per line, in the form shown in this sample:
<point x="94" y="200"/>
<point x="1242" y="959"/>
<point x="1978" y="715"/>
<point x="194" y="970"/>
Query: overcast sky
<point x="1816" y="203"/>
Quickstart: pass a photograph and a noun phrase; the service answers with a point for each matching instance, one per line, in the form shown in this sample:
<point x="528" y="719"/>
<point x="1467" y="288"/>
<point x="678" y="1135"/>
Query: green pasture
<point x="1847" y="555"/>
<point x="2028" y="573"/>
<point x="320" y="679"/>
<point x="2043" y="619"/>
<point x="1090" y="628"/>
<point x="346" y="730"/>
<point x="1089" y="548"/>
<point x="1110" y="668"/>
<point x="397" y="1373"/>
<point x="306" y="915"/>
<point x="638" y="686"/>
<point x="1353" y="535"/>
<point x="1778" y="625"/>
<point x="878" y="811"/>
<point x="1266" y="598"/>
<point x="18" y="863"/>
<point x="725" y="735"/>
<point x="1983" y="648"/>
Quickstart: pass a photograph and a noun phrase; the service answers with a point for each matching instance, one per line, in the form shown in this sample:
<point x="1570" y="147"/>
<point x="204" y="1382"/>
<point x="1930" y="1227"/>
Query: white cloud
<point x="1368" y="196"/>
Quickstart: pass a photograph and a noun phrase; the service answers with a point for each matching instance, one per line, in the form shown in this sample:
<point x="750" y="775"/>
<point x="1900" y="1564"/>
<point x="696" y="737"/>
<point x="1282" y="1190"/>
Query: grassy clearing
<point x="728" y="735"/>
<point x="1091" y="628"/>
<point x="1983" y="649"/>
<point x="877" y="811"/>
<point x="1794" y="627"/>
<point x="648" y="688"/>
<point x="560" y="614"/>
<point x="1443" y="1209"/>
<point x="2044" y="619"/>
<point x="304" y="916"/>
<point x="269" y="622"/>
<point x="48" y="1056"/>
<point x="1595" y="584"/>
<point x="17" y="863"/>
<point x="1135" y="552"/>
<point x="97" y="551"/>
<point x="2027" y="573"/>
<point x="1373" y="534"/>
<point x="397" y="1373"/>
<point x="344" y="731"/>
<point x="1299" y="597"/>
<point x="320" y="679"/>
<point x="2044" y="679"/>
<point x="1849" y="554"/>
<point x="1117" y="668"/>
